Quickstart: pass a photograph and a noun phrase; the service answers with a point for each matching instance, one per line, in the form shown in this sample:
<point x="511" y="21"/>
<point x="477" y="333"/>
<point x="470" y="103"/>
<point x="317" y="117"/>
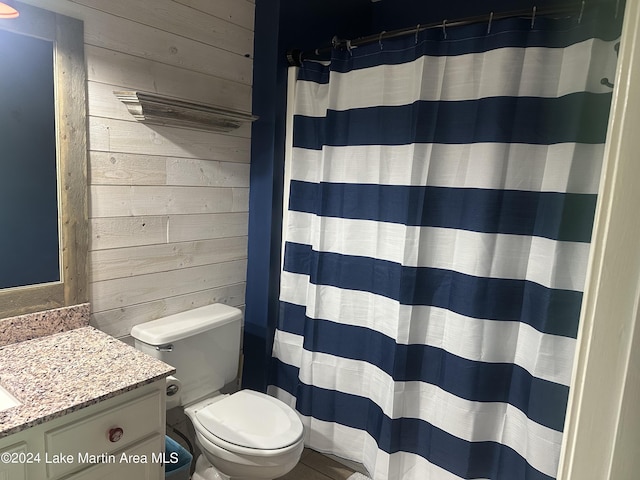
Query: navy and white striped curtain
<point x="442" y="196"/>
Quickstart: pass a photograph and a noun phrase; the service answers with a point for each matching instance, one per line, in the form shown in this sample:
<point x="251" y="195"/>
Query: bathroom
<point x="182" y="218"/>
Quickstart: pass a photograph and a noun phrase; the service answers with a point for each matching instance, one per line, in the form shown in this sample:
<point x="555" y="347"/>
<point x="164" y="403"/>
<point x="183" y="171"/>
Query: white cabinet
<point x="138" y="462"/>
<point x="122" y="437"/>
<point x="11" y="466"/>
<point x="101" y="436"/>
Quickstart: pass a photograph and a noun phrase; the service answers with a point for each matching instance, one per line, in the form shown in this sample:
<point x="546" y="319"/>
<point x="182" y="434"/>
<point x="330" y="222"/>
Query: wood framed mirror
<point x="70" y="285"/>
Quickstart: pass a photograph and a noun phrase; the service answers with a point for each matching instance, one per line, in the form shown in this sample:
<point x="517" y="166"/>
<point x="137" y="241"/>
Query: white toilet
<point x="246" y="435"/>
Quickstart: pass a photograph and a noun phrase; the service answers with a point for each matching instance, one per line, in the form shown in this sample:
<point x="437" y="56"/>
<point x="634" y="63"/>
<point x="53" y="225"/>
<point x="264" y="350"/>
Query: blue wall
<point x="282" y="25"/>
<point x="394" y="14"/>
<point x="269" y="89"/>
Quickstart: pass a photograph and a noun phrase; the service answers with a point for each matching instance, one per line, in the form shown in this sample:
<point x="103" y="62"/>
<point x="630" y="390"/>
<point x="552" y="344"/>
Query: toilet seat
<point x="249" y="421"/>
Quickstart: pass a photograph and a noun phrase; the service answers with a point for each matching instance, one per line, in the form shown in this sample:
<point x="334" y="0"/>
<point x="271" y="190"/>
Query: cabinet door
<point x="13" y="462"/>
<point x="142" y="461"/>
<point x="135" y="419"/>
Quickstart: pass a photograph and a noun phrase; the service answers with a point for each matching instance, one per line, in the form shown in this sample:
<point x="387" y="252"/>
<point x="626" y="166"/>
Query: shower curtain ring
<point x="581" y="12"/>
<point x="380" y="38"/>
<point x="489" y="26"/>
<point x="417" y="31"/>
<point x="444" y="28"/>
<point x="533" y="17"/>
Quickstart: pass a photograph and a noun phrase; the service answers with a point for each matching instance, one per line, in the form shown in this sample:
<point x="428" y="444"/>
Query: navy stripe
<point x="292" y="318"/>
<point x="557" y="216"/>
<point x="542" y="401"/>
<point x="284" y="376"/>
<point x="465" y="459"/>
<point x="551" y="311"/>
<point x="575" y="118"/>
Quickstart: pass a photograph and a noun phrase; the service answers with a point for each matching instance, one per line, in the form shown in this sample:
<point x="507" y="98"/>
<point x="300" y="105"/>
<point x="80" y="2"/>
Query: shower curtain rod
<point x="295" y="57"/>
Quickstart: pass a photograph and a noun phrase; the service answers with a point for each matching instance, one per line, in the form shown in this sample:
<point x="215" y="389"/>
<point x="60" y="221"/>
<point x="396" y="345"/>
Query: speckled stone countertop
<point x="40" y="324"/>
<point x="59" y="374"/>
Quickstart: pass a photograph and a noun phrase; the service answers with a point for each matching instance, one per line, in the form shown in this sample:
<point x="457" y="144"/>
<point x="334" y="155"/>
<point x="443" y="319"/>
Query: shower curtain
<point x="441" y="199"/>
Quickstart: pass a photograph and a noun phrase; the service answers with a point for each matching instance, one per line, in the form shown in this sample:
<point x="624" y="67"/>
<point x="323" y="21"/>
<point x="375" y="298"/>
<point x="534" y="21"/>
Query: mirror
<point x="43" y="207"/>
<point x="29" y="240"/>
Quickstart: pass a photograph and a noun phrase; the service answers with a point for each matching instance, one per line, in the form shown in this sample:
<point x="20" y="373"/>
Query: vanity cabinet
<point x="13" y="470"/>
<point x="132" y="469"/>
<point x="121" y="437"/>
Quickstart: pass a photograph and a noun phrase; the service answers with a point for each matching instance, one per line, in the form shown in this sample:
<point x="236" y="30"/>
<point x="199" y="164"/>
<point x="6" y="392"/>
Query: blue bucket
<point x="178" y="460"/>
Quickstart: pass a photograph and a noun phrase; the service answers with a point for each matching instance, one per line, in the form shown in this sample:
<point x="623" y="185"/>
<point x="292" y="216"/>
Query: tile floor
<point x="315" y="466"/>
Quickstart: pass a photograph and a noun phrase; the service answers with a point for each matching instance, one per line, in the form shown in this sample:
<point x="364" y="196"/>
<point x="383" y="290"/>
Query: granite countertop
<point x="61" y="373"/>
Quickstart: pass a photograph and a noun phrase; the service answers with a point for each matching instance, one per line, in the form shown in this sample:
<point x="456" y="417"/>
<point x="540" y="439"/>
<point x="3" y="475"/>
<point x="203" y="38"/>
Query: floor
<point x="314" y="466"/>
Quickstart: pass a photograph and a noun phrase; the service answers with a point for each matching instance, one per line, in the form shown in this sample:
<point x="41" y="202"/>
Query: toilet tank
<point x="202" y="344"/>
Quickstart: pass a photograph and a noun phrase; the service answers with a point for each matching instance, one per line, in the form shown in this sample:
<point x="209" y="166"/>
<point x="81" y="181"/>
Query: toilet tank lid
<point x="184" y="324"/>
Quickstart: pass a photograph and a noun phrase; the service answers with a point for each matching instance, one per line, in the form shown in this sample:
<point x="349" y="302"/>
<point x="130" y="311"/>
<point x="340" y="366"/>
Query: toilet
<point x="245" y="435"/>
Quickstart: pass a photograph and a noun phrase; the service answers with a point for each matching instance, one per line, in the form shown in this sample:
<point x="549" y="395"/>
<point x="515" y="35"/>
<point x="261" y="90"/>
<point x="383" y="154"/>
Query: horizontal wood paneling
<point x="131" y="169"/>
<point x="167" y="206"/>
<point x="110" y="135"/>
<point x="130" y="262"/>
<point x="101" y="102"/>
<point x="184" y="228"/>
<point x="115" y="33"/>
<point x="173" y="48"/>
<point x="240" y="200"/>
<point x="118" y="322"/>
<point x="135" y="73"/>
<point x="107" y="168"/>
<point x="240" y="12"/>
<point x="120" y="292"/>
<point x="116" y="200"/>
<point x="171" y="16"/>
<point x="127" y="232"/>
<point x="121" y="232"/>
<point x="196" y="172"/>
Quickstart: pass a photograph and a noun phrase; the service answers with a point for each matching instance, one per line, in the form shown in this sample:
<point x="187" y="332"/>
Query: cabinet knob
<point x="115" y="434"/>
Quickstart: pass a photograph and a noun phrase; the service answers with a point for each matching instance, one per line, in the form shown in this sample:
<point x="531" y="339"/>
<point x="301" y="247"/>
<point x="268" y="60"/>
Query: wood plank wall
<point x="168" y="207"/>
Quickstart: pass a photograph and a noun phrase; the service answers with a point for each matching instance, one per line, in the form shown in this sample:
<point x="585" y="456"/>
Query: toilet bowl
<point x="247" y="435"/>
<point x="243" y="436"/>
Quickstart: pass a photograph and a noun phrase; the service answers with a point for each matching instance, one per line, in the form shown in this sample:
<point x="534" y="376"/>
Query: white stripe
<point x="545" y="356"/>
<point x="467" y="420"/>
<point x="400" y="465"/>
<point x="524" y="72"/>
<point x="288" y="348"/>
<point x="563" y="167"/>
<point x="284" y="349"/>
<point x="553" y="264"/>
